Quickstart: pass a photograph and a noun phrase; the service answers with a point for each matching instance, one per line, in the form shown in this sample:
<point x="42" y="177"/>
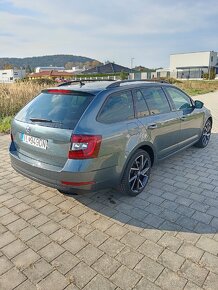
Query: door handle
<point x="183" y="118"/>
<point x="152" y="126"/>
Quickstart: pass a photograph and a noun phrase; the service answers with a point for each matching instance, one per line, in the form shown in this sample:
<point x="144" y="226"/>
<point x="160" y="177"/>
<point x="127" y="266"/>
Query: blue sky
<point x="116" y="30"/>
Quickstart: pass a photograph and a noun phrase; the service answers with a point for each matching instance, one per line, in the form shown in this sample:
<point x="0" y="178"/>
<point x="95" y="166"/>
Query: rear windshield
<point x="55" y="110"/>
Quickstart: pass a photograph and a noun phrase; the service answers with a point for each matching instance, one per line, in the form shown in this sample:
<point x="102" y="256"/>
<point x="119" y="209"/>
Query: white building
<point x="49" y="68"/>
<point x="11" y="75"/>
<point x="193" y="65"/>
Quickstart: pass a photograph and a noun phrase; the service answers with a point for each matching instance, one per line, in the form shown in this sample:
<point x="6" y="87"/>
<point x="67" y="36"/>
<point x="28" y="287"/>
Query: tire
<point x="205" y="137"/>
<point x="136" y="173"/>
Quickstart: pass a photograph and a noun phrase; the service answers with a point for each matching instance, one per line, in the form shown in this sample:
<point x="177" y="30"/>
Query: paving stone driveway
<point x="166" y="238"/>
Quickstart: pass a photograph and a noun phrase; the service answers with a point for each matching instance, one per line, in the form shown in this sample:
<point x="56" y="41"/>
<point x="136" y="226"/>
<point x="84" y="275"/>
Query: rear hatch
<point x="42" y="129"/>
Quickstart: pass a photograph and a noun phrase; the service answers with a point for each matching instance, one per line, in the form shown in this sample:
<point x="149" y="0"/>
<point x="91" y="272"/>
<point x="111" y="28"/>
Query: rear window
<point x="56" y="110"/>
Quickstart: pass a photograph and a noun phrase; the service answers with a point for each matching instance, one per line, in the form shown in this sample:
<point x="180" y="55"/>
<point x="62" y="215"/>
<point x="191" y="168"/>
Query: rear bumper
<point x="53" y="176"/>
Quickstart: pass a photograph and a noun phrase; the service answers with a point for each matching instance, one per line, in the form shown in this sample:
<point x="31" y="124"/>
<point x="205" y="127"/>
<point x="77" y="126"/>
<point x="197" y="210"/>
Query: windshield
<point x="55" y="110"/>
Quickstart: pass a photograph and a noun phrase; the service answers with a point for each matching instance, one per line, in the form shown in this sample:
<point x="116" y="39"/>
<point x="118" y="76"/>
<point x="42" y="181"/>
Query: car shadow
<point x="182" y="195"/>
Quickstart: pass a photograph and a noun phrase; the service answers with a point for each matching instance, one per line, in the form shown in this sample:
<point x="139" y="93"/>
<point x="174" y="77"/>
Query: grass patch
<point x="194" y="88"/>
<point x="5" y="124"/>
<point x="14" y="96"/>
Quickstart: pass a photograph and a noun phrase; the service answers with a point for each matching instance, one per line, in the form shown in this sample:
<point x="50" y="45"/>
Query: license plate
<point x="36" y="142"/>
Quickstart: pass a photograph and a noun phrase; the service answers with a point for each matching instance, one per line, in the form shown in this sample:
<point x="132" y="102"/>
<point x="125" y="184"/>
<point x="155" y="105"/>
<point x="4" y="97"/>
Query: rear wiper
<point x="43" y="120"/>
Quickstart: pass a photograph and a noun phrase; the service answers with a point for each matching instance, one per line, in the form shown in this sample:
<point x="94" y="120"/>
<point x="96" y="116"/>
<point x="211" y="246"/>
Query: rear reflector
<point x="77" y="183"/>
<point x="84" y="146"/>
<point x="55" y="91"/>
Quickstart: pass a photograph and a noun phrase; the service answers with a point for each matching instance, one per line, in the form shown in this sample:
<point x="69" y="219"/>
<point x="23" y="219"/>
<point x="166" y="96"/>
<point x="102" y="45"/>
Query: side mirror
<point x="199" y="104"/>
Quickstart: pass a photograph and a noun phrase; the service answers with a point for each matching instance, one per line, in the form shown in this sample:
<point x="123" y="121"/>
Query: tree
<point x="8" y="66"/>
<point x="123" y="76"/>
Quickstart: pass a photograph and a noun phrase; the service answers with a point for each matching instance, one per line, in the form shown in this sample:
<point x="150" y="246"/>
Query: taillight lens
<point x="84" y="146"/>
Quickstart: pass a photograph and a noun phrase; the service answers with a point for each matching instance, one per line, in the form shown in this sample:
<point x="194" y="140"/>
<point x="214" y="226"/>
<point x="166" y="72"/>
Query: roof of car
<point x="98" y="86"/>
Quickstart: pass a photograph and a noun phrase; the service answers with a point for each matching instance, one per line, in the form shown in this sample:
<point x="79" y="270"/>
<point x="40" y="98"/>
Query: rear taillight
<point x="84" y="146"/>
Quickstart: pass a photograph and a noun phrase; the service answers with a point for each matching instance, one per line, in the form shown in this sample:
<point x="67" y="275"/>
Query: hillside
<point x="47" y="60"/>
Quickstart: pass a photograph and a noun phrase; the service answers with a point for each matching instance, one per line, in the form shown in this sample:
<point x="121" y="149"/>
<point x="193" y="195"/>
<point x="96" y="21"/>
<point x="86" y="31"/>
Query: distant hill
<point x="47" y="60"/>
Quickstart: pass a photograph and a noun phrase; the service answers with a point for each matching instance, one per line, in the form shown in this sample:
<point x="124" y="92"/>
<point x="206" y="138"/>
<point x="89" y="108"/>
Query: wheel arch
<point x="148" y="147"/>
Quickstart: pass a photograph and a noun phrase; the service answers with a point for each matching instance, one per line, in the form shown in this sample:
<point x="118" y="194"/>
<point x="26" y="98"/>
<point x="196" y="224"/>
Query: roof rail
<point x="82" y="82"/>
<point x="118" y="83"/>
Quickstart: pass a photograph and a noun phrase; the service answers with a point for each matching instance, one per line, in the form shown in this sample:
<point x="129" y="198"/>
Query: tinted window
<point x="180" y="100"/>
<point x="63" y="109"/>
<point x="140" y="104"/>
<point x="156" y="100"/>
<point x="118" y="107"/>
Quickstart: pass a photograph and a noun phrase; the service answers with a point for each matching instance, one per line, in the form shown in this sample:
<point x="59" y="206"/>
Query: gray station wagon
<point x="92" y="136"/>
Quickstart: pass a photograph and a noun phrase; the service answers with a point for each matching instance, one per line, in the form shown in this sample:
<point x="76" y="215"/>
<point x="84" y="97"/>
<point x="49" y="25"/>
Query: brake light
<point x="84" y="146"/>
<point x="55" y="91"/>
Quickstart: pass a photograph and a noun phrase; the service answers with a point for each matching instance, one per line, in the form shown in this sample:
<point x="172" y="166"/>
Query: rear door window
<point x="57" y="110"/>
<point x="140" y="104"/>
<point x="118" y="107"/>
<point x="156" y="100"/>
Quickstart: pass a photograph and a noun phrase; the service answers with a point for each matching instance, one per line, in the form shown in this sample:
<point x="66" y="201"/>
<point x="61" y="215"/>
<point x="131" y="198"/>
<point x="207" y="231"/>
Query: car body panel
<point x="119" y="141"/>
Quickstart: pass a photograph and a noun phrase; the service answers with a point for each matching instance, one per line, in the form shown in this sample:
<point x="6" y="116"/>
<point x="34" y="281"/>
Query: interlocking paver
<point x="51" y="251"/>
<point x="83" y="229"/>
<point x="96" y="237"/>
<point x="210" y="262"/>
<point x="106" y="265"/>
<point x="6" y="238"/>
<point x="81" y="274"/>
<point x="145" y="284"/>
<point x="129" y="257"/>
<point x="150" y="249"/>
<point x="65" y="262"/>
<point x="116" y="231"/>
<point x="99" y="283"/>
<point x="191" y="252"/>
<point x="28" y="233"/>
<point x="61" y="236"/>
<point x="149" y="268"/>
<point x="194" y="272"/>
<point x="38" y="242"/>
<point x="170" y="242"/>
<point x="74" y="244"/>
<point x="165" y="238"/>
<point x="211" y="282"/>
<point x="13" y="249"/>
<point x="89" y="254"/>
<point x="11" y="279"/>
<point x="54" y="281"/>
<point x="125" y="278"/>
<point x="38" y="270"/>
<point x="208" y="245"/>
<point x="5" y="264"/>
<point x="112" y="247"/>
<point x="25" y="259"/>
<point x="191" y="286"/>
<point x="170" y="280"/>
<point x="171" y="260"/>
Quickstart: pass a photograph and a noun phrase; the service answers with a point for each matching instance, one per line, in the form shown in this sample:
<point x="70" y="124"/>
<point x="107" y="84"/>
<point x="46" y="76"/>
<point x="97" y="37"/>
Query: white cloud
<point x="115" y="29"/>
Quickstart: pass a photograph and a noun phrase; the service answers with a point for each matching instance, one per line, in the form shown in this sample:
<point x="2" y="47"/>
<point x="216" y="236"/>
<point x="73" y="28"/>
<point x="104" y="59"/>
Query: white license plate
<point x="37" y="142"/>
